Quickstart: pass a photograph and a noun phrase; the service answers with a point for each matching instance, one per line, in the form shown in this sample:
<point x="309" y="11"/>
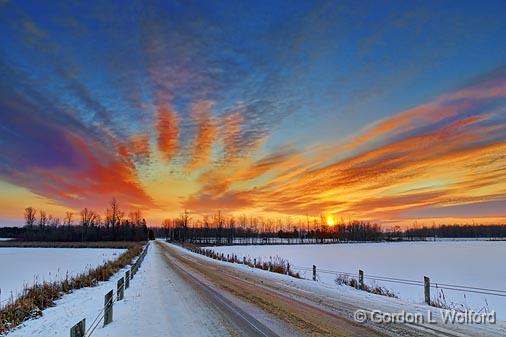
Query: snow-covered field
<point x="160" y="303"/>
<point x="467" y="263"/>
<point x="26" y="266"/>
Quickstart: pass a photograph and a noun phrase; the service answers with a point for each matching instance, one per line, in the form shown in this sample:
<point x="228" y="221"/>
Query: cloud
<point x="202" y="97"/>
<point x="226" y="202"/>
<point x="54" y="155"/>
<point x="205" y="136"/>
<point x="168" y="132"/>
<point x="443" y="108"/>
<point x="450" y="151"/>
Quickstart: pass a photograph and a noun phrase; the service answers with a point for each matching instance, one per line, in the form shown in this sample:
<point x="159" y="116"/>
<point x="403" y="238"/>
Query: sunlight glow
<point x="330" y="220"/>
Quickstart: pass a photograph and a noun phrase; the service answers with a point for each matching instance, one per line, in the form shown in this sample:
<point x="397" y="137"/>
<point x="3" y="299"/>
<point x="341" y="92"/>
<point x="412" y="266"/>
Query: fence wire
<point x="437" y="285"/>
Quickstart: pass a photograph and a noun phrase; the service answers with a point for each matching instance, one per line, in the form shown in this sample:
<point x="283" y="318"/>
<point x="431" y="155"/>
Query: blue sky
<point x="186" y="99"/>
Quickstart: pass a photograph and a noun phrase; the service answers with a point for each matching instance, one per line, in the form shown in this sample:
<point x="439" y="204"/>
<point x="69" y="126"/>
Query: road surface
<point x="177" y="293"/>
<point x="294" y="310"/>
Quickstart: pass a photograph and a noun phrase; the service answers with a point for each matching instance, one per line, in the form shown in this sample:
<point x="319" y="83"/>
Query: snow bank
<point x="364" y="300"/>
<point x="468" y="263"/>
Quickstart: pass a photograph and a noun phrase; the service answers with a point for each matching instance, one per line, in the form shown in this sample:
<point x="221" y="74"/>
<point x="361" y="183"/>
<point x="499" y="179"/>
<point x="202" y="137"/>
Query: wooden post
<point x="426" y="283"/>
<point x="108" y="301"/>
<point x="255" y="263"/>
<point x="127" y="279"/>
<point x="132" y="272"/>
<point x="79" y="329"/>
<point x="120" y="291"/>
<point x="361" y="279"/>
<point x="314" y="272"/>
<point x="287" y="268"/>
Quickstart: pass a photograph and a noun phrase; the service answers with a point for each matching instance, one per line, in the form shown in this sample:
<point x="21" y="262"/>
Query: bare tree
<point x="42" y="218"/>
<point x="54" y="222"/>
<point x="135" y="217"/>
<point x="114" y="215"/>
<point x="30" y="215"/>
<point x="88" y="217"/>
<point x="68" y="218"/>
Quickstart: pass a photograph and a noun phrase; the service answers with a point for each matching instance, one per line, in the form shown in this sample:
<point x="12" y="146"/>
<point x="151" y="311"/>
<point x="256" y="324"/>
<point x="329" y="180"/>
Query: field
<point x="25" y="266"/>
<point x="467" y="263"/>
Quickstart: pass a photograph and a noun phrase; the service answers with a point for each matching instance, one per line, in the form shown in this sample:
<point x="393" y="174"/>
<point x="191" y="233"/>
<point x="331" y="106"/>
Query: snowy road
<point x="315" y="309"/>
<point x="172" y="302"/>
<point x="179" y="293"/>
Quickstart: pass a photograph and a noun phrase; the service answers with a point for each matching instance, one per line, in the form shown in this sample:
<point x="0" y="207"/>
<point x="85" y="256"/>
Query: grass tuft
<point x="342" y="279"/>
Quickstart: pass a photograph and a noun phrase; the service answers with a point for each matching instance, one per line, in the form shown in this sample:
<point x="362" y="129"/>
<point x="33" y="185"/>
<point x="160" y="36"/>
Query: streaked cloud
<point x="275" y="109"/>
<point x="168" y="132"/>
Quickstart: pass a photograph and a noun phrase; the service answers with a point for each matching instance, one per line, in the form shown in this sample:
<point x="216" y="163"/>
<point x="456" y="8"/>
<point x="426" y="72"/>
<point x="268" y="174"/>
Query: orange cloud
<point x="446" y="152"/>
<point x="205" y="137"/>
<point x="137" y="148"/>
<point x="231" y="132"/>
<point x="97" y="179"/>
<point x="444" y="107"/>
<point x="168" y="132"/>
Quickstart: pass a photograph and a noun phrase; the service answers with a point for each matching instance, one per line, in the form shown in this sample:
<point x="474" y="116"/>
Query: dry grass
<point x="275" y="265"/>
<point x="373" y="289"/>
<point x="35" y="299"/>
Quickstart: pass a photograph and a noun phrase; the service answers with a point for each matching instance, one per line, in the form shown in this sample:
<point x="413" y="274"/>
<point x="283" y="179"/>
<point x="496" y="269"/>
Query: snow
<point x="468" y="263"/>
<point x="357" y="298"/>
<point x="157" y="303"/>
<point x="160" y="303"/>
<point x="26" y="266"/>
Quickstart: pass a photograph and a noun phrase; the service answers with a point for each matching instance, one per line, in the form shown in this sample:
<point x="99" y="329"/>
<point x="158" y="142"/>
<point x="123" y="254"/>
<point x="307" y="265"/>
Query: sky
<point x="386" y="111"/>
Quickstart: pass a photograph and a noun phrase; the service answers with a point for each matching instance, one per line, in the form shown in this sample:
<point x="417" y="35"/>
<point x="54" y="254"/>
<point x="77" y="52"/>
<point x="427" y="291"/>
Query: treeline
<point x="87" y="225"/>
<point x="10" y="232"/>
<point x="220" y="229"/>
<point x="456" y="231"/>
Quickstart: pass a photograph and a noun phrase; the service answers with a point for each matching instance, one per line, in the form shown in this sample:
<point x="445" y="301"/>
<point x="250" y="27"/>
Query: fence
<point x="426" y="283"/>
<point x="106" y="313"/>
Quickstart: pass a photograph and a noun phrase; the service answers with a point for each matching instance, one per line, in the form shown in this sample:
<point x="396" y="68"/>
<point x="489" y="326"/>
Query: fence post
<point x="120" y="291"/>
<point x="108" y="301"/>
<point x="361" y="279"/>
<point x="426" y="283"/>
<point x="127" y="279"/>
<point x="287" y="268"/>
<point x="314" y="272"/>
<point x="79" y="329"/>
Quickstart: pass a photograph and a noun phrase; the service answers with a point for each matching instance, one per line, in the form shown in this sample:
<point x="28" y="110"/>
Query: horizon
<point x="392" y="114"/>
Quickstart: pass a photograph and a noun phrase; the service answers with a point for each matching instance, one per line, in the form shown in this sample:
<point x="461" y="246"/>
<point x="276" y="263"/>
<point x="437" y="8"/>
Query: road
<point x="243" y="322"/>
<point x="178" y="293"/>
<point x="232" y="294"/>
<point x="291" y="310"/>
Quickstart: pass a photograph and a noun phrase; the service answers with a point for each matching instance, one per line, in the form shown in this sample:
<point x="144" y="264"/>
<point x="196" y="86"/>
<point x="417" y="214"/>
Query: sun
<point x="330" y="220"/>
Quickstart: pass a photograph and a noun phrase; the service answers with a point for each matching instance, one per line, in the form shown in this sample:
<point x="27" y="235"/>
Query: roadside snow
<point x="468" y="263"/>
<point x="365" y="300"/>
<point x="27" y="266"/>
<point x="158" y="303"/>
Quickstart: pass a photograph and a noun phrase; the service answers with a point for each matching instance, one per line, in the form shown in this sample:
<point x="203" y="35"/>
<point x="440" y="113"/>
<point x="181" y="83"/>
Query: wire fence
<point x="98" y="319"/>
<point x="411" y="282"/>
<point x="79" y="329"/>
